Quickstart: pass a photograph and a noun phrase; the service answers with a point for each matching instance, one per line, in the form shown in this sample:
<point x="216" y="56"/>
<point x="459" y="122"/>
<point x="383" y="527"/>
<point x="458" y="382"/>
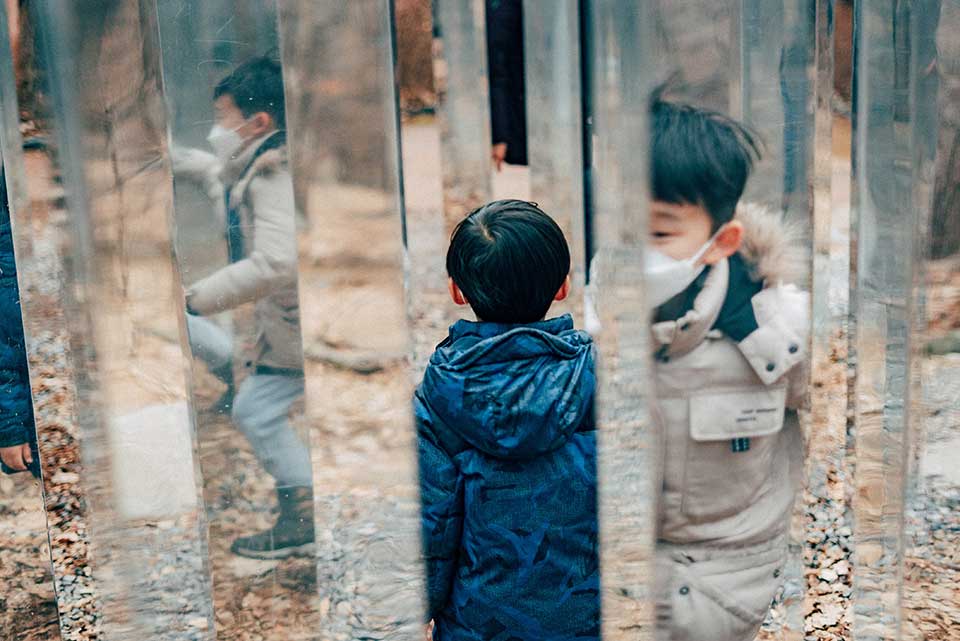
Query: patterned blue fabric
<point x="16" y="411"/>
<point x="508" y="483"/>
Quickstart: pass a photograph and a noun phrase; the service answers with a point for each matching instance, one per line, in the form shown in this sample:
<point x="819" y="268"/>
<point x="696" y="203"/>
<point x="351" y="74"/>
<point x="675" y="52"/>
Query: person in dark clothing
<point x="508" y="118"/>
<point x="506" y="439"/>
<point x="18" y="441"/>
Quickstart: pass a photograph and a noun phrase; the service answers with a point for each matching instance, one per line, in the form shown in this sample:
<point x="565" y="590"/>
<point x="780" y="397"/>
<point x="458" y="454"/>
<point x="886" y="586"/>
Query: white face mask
<point x="225" y="142"/>
<point x="665" y="277"/>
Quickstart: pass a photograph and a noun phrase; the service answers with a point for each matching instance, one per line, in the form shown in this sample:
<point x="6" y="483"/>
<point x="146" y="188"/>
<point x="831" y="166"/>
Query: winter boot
<point x="292" y="535"/>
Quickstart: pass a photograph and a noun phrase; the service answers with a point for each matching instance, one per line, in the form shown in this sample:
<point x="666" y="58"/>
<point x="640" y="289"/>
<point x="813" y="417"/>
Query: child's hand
<point x="499" y="154"/>
<point x="428" y="631"/>
<point x="17" y="457"/>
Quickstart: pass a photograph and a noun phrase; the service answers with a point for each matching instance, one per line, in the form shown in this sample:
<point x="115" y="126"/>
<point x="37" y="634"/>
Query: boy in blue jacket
<point x="507" y="446"/>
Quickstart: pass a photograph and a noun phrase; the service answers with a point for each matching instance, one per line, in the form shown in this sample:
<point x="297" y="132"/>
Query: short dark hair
<point x="509" y="259"/>
<point x="699" y="157"/>
<point x="255" y="86"/>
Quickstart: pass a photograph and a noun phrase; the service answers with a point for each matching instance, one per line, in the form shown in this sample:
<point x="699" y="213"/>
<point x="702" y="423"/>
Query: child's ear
<point x="261" y="123"/>
<point x="455" y="294"/>
<point x="726" y="244"/>
<point x="564" y="290"/>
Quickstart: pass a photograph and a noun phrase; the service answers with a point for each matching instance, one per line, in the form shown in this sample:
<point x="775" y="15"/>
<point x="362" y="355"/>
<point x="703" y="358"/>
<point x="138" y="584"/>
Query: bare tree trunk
<point x="414" y="24"/>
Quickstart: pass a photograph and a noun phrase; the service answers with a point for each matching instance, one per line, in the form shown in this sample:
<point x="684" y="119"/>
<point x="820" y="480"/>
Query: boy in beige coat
<point x="730" y="336"/>
<point x="249" y="141"/>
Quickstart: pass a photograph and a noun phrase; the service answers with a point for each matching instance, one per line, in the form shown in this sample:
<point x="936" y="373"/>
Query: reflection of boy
<point x="18" y="451"/>
<point x="731" y="348"/>
<point x="506" y="442"/>
<point x="250" y="144"/>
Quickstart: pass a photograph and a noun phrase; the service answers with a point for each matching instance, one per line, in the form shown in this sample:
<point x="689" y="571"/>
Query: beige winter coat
<point x="267" y="275"/>
<point x="723" y="514"/>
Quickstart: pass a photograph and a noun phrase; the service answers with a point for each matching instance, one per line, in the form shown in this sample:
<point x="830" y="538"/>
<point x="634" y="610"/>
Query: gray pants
<point x="211" y="343"/>
<point x="260" y="408"/>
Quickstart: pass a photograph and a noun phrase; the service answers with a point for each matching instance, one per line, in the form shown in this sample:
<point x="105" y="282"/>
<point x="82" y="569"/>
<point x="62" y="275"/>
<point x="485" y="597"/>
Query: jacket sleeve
<point x="16" y="409"/>
<point x="441" y="496"/>
<point x="202" y="168"/>
<point x="272" y="261"/>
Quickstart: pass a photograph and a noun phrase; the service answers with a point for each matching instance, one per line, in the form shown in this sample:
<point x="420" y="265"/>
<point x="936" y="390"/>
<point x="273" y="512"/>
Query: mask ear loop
<point x="695" y="260"/>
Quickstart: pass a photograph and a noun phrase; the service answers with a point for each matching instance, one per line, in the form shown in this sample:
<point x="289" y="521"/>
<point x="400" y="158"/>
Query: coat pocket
<point x="731" y="451"/>
<point x="723" y="599"/>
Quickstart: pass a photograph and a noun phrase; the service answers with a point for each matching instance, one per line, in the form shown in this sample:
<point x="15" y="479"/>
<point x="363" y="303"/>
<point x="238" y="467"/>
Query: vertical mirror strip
<point x="933" y="484"/>
<point x="827" y="535"/>
<point x="104" y="271"/>
<point x="554" y="122"/>
<point x="26" y="582"/>
<point x="464" y="106"/>
<point x="236" y="226"/>
<point x="885" y="135"/>
<point x="628" y="459"/>
<point x="358" y="401"/>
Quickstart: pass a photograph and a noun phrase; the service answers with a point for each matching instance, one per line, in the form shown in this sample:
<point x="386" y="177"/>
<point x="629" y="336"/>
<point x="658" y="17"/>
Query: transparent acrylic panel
<point x="116" y="430"/>
<point x="356" y="341"/>
<point x="752" y="62"/>
<point x="26" y="581"/>
<point x="236" y="225"/>
<point x="894" y="145"/>
<point x="931" y="537"/>
<point x="628" y="444"/>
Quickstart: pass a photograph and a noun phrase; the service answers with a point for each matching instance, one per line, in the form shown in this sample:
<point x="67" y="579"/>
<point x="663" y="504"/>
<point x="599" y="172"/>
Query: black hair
<point x="699" y="157"/>
<point x="255" y="86"/>
<point x="509" y="259"/>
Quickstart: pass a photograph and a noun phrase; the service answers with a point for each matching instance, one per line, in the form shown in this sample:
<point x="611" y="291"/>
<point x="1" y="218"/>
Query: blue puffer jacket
<point x="508" y="483"/>
<point x="16" y="412"/>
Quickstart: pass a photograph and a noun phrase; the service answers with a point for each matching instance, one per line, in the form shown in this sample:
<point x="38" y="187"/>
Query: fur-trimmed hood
<point x="774" y="246"/>
<point x="775" y="250"/>
<point x="238" y="173"/>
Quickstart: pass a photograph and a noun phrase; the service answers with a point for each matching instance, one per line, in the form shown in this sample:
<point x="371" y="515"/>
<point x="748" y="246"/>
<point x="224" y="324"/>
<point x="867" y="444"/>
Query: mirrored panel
<point x="447" y="150"/>
<point x="628" y="443"/>
<point x="930" y="533"/>
<point x="827" y="538"/>
<point x="30" y="607"/>
<point x="553" y="105"/>
<point x="236" y="226"/>
<point x="728" y="280"/>
<point x="883" y="176"/>
<point x="346" y="167"/>
<point x="109" y="394"/>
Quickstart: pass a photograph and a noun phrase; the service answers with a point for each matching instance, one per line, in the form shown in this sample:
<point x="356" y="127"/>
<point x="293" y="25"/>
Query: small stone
<point x="200" y="623"/>
<point x="829" y="575"/>
<point x="65" y="478"/>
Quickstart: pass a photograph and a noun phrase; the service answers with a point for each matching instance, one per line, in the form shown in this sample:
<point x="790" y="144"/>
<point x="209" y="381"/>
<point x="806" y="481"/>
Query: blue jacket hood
<point x="511" y="391"/>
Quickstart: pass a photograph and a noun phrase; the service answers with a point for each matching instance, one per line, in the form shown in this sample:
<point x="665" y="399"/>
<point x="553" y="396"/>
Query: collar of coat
<point x="238" y="176"/>
<point x="775" y="250"/>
